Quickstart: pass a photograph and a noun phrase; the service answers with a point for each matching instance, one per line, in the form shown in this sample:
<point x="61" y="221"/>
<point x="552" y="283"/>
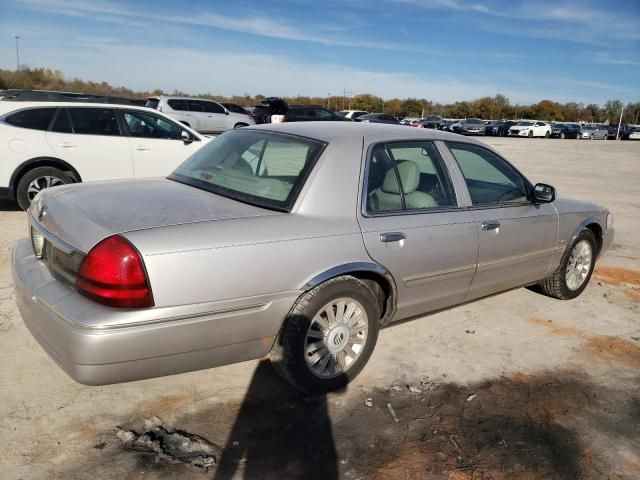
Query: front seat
<point x="387" y="197"/>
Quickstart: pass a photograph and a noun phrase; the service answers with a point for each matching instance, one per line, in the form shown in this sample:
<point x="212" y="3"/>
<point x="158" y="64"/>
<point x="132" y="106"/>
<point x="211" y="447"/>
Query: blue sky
<point x="443" y="50"/>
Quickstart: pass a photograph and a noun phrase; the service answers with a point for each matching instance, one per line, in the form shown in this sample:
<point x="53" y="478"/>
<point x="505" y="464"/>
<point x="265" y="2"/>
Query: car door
<point x="197" y="112"/>
<point x="156" y="143"/>
<point x="90" y="140"/>
<point x="516" y="238"/>
<point x="413" y="225"/>
<point x="218" y="120"/>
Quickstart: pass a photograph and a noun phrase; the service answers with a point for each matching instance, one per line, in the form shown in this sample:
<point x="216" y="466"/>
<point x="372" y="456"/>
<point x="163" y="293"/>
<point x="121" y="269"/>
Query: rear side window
<point x="33" y="118"/>
<point x="407" y="176"/>
<point x="212" y="107"/>
<point x="94" y="121"/>
<point x="179" y="105"/>
<point x="62" y="123"/>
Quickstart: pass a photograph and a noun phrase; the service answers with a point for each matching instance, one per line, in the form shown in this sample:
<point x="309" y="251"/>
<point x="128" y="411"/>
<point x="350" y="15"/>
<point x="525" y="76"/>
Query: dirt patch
<point x="633" y="294"/>
<point x="615" y="349"/>
<point x="163" y="405"/>
<point x="617" y="275"/>
<point x="555" y="328"/>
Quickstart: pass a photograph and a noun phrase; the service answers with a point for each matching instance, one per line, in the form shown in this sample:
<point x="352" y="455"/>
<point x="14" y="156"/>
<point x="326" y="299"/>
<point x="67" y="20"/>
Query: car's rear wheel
<point x="329" y="336"/>
<point x="36" y="180"/>
<point x="575" y="269"/>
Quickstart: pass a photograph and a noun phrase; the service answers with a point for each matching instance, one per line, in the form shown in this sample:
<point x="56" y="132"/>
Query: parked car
<point x="204" y="116"/>
<point x="592" y="132"/>
<point x="47" y="144"/>
<point x="432" y="121"/>
<point x="471" y="126"/>
<point x="530" y="128"/>
<point x="296" y="240"/>
<point x="269" y="106"/>
<point x="313" y="113"/>
<point x="498" y="128"/>
<point x="565" y="130"/>
<point x="634" y="134"/>
<point x="352" y="114"/>
<point x="235" y="108"/>
<point x="378" y="118"/>
<point x="410" y="121"/>
<point x="625" y="131"/>
<point x="448" y="124"/>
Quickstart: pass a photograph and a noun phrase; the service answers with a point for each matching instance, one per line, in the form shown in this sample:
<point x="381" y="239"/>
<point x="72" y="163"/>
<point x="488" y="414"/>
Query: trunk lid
<point x="81" y="215"/>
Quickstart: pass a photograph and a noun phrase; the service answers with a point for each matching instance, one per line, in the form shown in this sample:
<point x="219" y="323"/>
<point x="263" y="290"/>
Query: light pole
<point x="17" y="37"/>
<point x="329" y="100"/>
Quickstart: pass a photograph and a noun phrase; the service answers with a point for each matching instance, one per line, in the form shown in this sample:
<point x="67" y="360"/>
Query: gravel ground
<point x="514" y="386"/>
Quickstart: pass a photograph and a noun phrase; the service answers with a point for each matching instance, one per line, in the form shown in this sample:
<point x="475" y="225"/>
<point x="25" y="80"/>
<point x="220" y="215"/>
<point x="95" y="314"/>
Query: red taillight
<point x="112" y="273"/>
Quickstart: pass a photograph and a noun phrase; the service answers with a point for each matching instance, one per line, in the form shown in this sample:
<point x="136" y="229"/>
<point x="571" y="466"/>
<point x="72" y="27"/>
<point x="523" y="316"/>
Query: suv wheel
<point x="575" y="270"/>
<point x="328" y="337"/>
<point x="36" y="180"/>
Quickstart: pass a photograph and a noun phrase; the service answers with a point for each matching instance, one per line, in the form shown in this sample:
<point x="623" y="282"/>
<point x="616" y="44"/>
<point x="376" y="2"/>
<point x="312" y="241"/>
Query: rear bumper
<point x="168" y="342"/>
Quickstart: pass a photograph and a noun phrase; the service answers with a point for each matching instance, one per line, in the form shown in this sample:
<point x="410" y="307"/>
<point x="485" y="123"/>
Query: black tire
<point x="556" y="285"/>
<point x="530" y="134"/>
<point x="240" y="125"/>
<point x="591" y="137"/>
<point x="547" y="135"/>
<point x="288" y="353"/>
<point x="562" y="135"/>
<point x="22" y="191"/>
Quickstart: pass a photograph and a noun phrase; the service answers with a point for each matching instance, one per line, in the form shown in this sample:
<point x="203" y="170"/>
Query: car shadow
<point x="279" y="433"/>
<point x="9" y="206"/>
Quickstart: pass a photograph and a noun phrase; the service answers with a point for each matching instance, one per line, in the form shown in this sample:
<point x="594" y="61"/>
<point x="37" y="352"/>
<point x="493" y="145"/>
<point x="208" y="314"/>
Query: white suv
<point x="44" y="144"/>
<point x="205" y="116"/>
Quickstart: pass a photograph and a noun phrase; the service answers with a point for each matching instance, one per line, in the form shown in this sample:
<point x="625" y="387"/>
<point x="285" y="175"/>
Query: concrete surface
<point x="513" y="386"/>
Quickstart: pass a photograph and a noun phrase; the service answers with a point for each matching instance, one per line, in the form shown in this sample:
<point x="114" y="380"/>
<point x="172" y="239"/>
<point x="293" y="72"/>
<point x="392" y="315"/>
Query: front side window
<point x="489" y="178"/>
<point x="94" y="121"/>
<point x="213" y="107"/>
<point x="33" y="118"/>
<point x="257" y="167"/>
<point x="407" y="176"/>
<point x="322" y="113"/>
<point x="147" y="125"/>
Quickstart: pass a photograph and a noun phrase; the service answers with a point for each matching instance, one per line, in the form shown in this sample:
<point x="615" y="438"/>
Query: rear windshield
<point x="257" y="167"/>
<point x="152" y="103"/>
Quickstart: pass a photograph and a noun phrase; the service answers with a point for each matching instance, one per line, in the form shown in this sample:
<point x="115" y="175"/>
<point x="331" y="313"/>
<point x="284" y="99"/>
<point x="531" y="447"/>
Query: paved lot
<point x="514" y="386"/>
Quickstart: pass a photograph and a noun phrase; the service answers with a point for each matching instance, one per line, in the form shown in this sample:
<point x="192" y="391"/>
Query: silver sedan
<point x="298" y="241"/>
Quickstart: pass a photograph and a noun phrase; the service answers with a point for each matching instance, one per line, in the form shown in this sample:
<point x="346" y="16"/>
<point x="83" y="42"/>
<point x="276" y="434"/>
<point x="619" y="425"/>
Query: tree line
<point x="496" y="107"/>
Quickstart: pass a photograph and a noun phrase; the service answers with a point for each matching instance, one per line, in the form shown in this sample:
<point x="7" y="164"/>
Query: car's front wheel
<point x="329" y="336"/>
<point x="562" y="135"/>
<point x="36" y="180"/>
<point x="575" y="270"/>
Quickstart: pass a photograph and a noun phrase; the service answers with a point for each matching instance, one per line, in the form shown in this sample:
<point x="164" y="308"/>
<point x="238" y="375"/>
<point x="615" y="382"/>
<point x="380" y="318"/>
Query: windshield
<point x="525" y="124"/>
<point x="473" y="120"/>
<point x="258" y="167"/>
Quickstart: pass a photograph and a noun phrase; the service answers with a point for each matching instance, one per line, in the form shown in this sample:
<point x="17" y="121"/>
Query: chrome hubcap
<point x="40" y="183"/>
<point x="336" y="337"/>
<point x="579" y="265"/>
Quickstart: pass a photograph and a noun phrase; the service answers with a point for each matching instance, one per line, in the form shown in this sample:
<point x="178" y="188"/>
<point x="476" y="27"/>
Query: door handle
<point x="140" y="148"/>
<point x="67" y="145"/>
<point x="490" y="225"/>
<point x="392" y="237"/>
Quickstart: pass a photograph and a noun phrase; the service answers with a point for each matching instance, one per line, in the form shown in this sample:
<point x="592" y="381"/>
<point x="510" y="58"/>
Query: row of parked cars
<point x="55" y="138"/>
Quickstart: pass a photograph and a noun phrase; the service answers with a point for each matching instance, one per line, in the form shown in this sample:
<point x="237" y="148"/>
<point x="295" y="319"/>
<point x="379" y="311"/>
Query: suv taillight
<point x="112" y="273"/>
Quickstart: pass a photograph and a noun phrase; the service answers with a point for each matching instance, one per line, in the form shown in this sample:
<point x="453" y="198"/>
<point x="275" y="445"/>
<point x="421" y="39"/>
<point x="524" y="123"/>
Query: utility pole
<point x="329" y="100"/>
<point x="17" y="37"/>
<point x="619" y="123"/>
<point x="344" y="98"/>
<point x="515" y="117"/>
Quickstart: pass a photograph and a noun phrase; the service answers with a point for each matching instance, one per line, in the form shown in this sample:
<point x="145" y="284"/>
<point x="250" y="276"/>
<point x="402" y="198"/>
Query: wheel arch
<point x="381" y="278"/>
<point x="592" y="224"/>
<point x="36" y="162"/>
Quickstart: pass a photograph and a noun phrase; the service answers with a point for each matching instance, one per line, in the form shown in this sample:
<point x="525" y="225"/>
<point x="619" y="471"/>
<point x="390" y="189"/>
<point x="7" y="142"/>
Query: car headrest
<point x="409" y="176"/>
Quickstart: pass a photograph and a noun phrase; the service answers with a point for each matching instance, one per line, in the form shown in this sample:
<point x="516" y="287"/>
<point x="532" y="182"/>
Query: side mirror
<point x="543" y="193"/>
<point x="186" y="138"/>
<point x="226" y="111"/>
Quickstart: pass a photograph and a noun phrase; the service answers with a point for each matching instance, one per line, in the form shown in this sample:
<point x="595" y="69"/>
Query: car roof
<point x="336" y="132"/>
<point x="8" y="105"/>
